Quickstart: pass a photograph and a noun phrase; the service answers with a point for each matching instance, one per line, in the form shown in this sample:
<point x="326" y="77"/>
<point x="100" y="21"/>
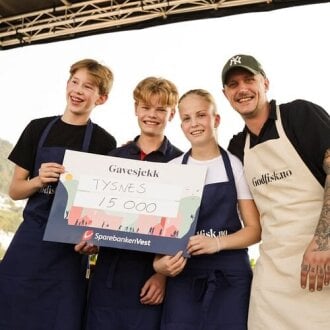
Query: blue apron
<point x="42" y="284"/>
<point x="115" y="290"/>
<point x="119" y="275"/>
<point x="213" y="291"/>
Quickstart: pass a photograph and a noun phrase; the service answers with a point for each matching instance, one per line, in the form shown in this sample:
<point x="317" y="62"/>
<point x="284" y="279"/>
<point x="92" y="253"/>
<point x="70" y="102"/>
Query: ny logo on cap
<point x="235" y="60"/>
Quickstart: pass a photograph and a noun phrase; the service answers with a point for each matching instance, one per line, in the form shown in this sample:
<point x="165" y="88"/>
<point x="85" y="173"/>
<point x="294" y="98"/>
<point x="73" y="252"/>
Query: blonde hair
<point x="102" y="75"/>
<point x="207" y="96"/>
<point x="150" y="86"/>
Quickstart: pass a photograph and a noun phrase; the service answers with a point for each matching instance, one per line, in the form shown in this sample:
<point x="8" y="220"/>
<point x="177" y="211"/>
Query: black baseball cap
<point x="246" y="62"/>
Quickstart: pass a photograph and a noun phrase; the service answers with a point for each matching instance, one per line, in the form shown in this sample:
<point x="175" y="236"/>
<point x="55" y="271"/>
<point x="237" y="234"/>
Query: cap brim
<point x="224" y="77"/>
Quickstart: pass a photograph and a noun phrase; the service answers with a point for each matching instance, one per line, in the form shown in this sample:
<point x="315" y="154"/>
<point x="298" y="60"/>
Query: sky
<point x="291" y="44"/>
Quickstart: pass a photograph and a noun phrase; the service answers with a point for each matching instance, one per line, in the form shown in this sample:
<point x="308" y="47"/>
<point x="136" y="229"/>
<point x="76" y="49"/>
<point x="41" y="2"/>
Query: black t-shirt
<point x="60" y="135"/>
<point x="306" y="125"/>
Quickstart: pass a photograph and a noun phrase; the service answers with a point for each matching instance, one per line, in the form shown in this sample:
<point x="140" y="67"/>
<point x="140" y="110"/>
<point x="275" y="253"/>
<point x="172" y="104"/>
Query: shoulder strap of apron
<point x="86" y="141"/>
<point x="226" y="161"/>
<point x="46" y="131"/>
<point x="88" y="136"/>
<point x="186" y="156"/>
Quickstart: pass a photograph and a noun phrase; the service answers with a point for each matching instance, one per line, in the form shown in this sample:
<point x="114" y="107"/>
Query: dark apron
<point x="42" y="284"/>
<point x="115" y="292"/>
<point x="213" y="291"/>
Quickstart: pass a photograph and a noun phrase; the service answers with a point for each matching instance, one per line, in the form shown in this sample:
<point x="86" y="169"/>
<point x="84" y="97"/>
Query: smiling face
<point x="82" y="95"/>
<point x="199" y="119"/>
<point x="246" y="92"/>
<point x="153" y="116"/>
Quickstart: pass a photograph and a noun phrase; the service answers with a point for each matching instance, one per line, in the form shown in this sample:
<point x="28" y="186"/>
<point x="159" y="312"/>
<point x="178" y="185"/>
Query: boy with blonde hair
<point x="126" y="293"/>
<point x="42" y="284"/>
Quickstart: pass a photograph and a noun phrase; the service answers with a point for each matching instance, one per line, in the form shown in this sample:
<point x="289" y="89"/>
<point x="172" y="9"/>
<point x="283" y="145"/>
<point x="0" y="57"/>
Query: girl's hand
<point x="201" y="244"/>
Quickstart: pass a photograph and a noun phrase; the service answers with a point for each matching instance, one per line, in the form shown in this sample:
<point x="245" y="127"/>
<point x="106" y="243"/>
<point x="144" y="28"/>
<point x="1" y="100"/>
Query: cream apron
<point x="289" y="199"/>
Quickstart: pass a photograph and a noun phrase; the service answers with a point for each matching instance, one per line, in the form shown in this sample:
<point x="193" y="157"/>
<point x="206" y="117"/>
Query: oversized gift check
<point x="124" y="203"/>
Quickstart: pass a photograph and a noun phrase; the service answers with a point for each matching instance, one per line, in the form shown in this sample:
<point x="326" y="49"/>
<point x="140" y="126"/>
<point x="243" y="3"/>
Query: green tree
<point x="6" y="167"/>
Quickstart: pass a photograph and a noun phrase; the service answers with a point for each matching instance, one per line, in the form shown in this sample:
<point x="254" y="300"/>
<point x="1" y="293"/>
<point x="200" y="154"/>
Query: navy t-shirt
<point x="164" y="154"/>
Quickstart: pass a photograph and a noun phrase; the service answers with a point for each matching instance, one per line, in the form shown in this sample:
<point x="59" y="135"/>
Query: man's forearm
<point x="322" y="232"/>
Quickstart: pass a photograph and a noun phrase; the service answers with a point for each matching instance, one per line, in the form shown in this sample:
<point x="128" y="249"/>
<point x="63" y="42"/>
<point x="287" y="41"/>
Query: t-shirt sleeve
<point x="102" y="142"/>
<point x="236" y="145"/>
<point x="308" y="127"/>
<point x="243" y="191"/>
<point x="24" y="152"/>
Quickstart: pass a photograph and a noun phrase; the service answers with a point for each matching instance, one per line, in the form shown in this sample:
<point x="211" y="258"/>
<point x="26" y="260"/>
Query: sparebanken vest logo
<point x="87" y="235"/>
<point x="267" y="178"/>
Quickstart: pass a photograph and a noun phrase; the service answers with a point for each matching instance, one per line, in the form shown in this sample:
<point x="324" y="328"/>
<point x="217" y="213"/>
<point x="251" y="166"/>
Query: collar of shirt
<point x="135" y="149"/>
<point x="268" y="130"/>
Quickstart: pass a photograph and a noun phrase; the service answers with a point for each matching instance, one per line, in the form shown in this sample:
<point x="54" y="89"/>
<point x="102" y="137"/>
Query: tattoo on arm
<point x="322" y="232"/>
